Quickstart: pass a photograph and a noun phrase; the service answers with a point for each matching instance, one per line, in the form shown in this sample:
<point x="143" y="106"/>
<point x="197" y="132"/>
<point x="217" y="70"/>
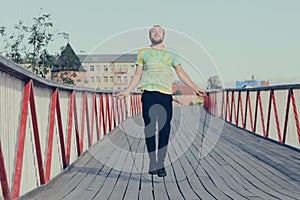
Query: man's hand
<point x="121" y="95"/>
<point x="200" y="92"/>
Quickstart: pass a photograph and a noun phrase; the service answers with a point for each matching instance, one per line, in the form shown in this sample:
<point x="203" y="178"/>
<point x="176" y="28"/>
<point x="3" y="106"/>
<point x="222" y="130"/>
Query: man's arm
<point x="184" y="77"/>
<point x="133" y="83"/>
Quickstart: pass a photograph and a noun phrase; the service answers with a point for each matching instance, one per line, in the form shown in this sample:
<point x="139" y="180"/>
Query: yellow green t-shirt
<point x="157" y="69"/>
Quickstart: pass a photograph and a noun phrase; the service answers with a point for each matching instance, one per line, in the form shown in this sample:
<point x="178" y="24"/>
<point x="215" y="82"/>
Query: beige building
<point x="108" y="71"/>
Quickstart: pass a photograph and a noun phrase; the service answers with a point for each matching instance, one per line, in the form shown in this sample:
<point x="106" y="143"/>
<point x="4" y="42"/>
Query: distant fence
<point x="272" y="112"/>
<point x="45" y="126"/>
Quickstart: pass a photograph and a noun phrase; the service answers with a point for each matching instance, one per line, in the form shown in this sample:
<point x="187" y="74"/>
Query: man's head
<point x="156" y="34"/>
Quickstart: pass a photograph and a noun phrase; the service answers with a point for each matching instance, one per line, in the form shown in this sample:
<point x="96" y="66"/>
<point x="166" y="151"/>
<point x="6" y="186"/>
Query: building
<point x="251" y="83"/>
<point x="108" y="71"/>
<point x="183" y="95"/>
<point x="181" y="89"/>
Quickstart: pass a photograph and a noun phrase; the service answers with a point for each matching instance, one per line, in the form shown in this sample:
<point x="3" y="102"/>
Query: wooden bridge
<point x="65" y="142"/>
<point x="218" y="161"/>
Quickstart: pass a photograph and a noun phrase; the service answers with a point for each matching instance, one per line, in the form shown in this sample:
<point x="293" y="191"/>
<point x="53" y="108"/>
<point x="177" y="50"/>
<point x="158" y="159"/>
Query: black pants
<point x="157" y="107"/>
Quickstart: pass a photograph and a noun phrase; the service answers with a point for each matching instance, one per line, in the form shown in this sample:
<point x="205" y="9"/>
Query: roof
<point x="68" y="61"/>
<point x="106" y="58"/>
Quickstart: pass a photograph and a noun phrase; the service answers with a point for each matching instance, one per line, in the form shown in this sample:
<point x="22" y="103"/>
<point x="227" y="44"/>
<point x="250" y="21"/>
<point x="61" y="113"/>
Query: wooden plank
<point x="146" y="188"/>
<point x="264" y="154"/>
<point x="112" y="174"/>
<point x="84" y="188"/>
<point x="78" y="189"/>
<point x="160" y="191"/>
<point x="81" y="191"/>
<point x="236" y="150"/>
<point x="55" y="185"/>
<point x="265" y="157"/>
<point x="122" y="182"/>
<point x="203" y="175"/>
<point x="253" y="183"/>
<point x="190" y="165"/>
<point x="213" y="176"/>
<point x="132" y="187"/>
<point x="171" y="186"/>
<point x="261" y="180"/>
<point x="232" y="168"/>
<point x="75" y="181"/>
<point x="181" y="176"/>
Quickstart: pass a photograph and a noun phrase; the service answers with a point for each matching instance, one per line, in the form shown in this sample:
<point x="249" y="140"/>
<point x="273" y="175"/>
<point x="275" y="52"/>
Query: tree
<point x="191" y="103"/>
<point x="67" y="77"/>
<point x="40" y="35"/>
<point x="67" y="64"/>
<point x="14" y="44"/>
<point x="214" y="82"/>
<point x="29" y="45"/>
<point x="178" y="92"/>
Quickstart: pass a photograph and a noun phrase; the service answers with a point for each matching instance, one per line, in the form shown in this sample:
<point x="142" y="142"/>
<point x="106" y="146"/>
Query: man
<point x="154" y="70"/>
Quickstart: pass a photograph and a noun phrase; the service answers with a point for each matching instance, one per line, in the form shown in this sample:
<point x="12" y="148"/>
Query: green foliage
<point x="214" y="82"/>
<point x="40" y="35"/>
<point x="191" y="103"/>
<point x="2" y="31"/>
<point x="178" y="92"/>
<point x="14" y="44"/>
<point x="29" y="44"/>
<point x="68" y="78"/>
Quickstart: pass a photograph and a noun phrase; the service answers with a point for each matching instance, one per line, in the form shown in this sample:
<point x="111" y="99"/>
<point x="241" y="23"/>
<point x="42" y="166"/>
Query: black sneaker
<point x="161" y="172"/>
<point x="153" y="172"/>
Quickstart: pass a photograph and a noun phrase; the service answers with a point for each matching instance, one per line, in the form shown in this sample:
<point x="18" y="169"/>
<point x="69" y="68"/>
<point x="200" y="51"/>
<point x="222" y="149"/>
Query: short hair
<point x="156" y="26"/>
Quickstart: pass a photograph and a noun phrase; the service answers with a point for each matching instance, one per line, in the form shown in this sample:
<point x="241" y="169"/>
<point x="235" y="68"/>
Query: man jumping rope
<point x="154" y="66"/>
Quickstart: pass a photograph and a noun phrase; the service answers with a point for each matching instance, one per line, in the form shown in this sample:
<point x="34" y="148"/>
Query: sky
<point x="241" y="37"/>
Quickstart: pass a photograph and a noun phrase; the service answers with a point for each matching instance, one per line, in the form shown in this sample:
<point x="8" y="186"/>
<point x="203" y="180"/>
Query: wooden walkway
<point x="215" y="161"/>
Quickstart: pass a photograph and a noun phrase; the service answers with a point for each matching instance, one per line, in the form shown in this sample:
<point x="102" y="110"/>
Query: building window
<point x="118" y="79"/>
<point x="92" y="68"/>
<point x="119" y="68"/>
<point x="105" y="79"/>
<point x="98" y="79"/>
<point x="111" y="79"/>
<point x="105" y="68"/>
<point x="124" y="68"/>
<point x="92" y="79"/>
<point x="124" y="79"/>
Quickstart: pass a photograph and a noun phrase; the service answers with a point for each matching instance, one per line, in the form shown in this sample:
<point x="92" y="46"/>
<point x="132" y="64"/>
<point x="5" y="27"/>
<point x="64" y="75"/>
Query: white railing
<point x="45" y="126"/>
<point x="272" y="112"/>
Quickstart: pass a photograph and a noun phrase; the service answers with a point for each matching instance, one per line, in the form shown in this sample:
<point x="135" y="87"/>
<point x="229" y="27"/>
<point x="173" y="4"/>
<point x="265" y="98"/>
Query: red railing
<point x="99" y="113"/>
<point x="266" y="111"/>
